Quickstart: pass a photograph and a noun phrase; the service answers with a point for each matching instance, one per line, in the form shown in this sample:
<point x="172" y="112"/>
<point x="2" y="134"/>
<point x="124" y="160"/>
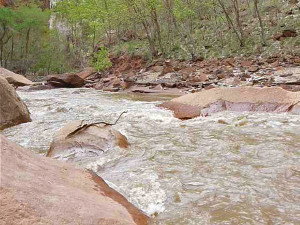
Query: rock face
<point x="13" y="78"/>
<point x="39" y="190"/>
<point x="205" y="103"/>
<point x="90" y="141"/>
<point x="70" y="80"/>
<point x="12" y="110"/>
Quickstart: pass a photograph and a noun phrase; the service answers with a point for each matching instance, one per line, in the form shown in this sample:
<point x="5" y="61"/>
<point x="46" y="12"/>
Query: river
<point x="229" y="168"/>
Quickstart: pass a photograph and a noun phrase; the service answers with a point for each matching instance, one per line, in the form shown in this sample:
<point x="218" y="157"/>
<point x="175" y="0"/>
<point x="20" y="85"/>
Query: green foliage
<point x="101" y="60"/>
<point x="151" y="28"/>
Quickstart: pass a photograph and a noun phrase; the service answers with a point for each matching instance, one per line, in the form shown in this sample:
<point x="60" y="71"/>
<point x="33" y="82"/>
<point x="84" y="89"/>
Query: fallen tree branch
<point x="83" y="126"/>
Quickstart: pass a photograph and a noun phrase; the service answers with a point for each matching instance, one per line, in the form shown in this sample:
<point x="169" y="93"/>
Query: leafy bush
<point x="101" y="60"/>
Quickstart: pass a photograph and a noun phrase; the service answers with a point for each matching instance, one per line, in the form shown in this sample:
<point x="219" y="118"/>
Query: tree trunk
<point x="231" y="23"/>
<point x="238" y="21"/>
<point x="262" y="31"/>
<point x="27" y="42"/>
<point x="157" y="28"/>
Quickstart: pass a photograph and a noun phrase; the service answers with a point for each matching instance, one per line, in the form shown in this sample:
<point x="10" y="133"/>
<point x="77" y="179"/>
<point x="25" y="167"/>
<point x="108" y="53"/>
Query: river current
<point x="229" y="168"/>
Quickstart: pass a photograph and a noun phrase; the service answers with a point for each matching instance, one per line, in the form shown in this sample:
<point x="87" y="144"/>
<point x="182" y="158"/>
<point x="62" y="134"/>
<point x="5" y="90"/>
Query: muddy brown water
<point x="229" y="168"/>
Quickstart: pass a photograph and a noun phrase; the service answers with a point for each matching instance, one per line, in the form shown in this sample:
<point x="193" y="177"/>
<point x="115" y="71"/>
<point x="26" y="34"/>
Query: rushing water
<point x="225" y="169"/>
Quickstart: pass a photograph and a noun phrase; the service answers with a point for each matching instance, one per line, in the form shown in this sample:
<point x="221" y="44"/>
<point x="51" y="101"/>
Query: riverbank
<point x="133" y="74"/>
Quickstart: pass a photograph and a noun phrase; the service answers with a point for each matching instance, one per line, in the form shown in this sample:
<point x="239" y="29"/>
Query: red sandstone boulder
<point x="13" y="78"/>
<point x="253" y="99"/>
<point x="12" y="110"/>
<point x="69" y="80"/>
<point x="39" y="190"/>
<point x="90" y="141"/>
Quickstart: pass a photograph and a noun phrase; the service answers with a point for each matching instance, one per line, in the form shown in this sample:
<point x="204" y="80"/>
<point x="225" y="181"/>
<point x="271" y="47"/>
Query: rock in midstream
<point x="240" y="99"/>
<point x="77" y="141"/>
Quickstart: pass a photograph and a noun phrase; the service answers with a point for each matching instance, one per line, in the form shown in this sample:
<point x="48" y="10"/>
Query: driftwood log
<point x="83" y="126"/>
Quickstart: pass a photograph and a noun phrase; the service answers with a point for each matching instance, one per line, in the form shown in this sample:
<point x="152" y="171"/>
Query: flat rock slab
<point x="14" y="79"/>
<point x="12" y="110"/>
<point x="40" y="190"/>
<point x="77" y="141"/>
<point x="288" y="76"/>
<point x="251" y="99"/>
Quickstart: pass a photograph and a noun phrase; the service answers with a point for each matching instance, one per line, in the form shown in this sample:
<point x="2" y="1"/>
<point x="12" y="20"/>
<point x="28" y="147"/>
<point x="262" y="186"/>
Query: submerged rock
<point x="252" y="99"/>
<point x="13" y="78"/>
<point x="12" y="110"/>
<point x="39" y="190"/>
<point x="69" y="80"/>
<point x="73" y="143"/>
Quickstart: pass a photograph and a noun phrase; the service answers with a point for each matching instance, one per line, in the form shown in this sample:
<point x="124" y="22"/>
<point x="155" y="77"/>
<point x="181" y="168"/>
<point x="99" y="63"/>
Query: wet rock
<point x="38" y="87"/>
<point x="111" y="89"/>
<point x="91" y="141"/>
<point x="182" y="111"/>
<point x="222" y="122"/>
<point x="254" y="99"/>
<point x="39" y="190"/>
<point x="12" y="110"/>
<point x="69" y="80"/>
<point x="14" y="79"/>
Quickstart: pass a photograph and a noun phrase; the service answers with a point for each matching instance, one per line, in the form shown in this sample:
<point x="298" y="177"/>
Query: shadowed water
<point x="230" y="168"/>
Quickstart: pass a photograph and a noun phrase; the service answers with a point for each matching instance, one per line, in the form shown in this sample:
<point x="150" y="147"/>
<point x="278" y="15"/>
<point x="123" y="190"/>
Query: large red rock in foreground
<point x="39" y="190"/>
<point x="251" y="99"/>
<point x="12" y="110"/>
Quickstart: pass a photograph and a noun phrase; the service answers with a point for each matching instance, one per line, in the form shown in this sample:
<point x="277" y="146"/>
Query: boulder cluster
<point x="135" y="75"/>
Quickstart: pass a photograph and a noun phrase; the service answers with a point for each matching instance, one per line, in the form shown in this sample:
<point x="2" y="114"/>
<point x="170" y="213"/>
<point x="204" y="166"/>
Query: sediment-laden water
<point x="230" y="168"/>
